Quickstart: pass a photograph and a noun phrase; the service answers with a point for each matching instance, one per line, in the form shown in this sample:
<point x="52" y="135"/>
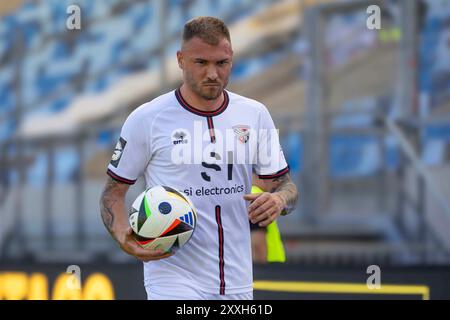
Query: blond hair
<point x="209" y="29"/>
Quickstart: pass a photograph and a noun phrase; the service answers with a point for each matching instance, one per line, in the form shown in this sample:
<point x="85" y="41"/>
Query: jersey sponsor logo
<point x="179" y="137"/>
<point x="213" y="166"/>
<point x="242" y="132"/>
<point x="117" y="155"/>
<point x="215" y="191"/>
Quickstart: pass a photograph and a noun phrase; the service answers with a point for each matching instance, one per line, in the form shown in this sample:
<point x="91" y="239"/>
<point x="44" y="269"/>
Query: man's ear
<point x="180" y="59"/>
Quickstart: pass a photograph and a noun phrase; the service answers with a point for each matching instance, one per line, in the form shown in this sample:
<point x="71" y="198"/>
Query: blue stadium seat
<point x="7" y="95"/>
<point x="352" y="155"/>
<point x="434" y="152"/>
<point x="292" y="145"/>
<point x="7" y="129"/>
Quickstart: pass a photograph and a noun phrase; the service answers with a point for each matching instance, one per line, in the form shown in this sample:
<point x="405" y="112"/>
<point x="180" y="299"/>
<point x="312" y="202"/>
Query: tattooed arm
<point x="112" y="206"/>
<point x="115" y="219"/>
<point x="282" y="186"/>
<point x="280" y="199"/>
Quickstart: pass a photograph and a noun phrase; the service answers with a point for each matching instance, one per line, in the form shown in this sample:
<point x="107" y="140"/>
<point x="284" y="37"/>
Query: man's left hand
<point x="265" y="207"/>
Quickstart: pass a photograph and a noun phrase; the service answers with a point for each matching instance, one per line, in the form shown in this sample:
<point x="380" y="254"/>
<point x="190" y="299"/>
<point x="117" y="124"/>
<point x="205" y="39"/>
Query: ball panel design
<point x="184" y="237"/>
<point x="165" y="243"/>
<point x="176" y="196"/>
<point x="165" y="207"/>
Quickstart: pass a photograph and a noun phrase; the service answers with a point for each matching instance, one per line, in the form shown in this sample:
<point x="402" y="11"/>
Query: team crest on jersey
<point x="115" y="159"/>
<point x="179" y="137"/>
<point x="242" y="132"/>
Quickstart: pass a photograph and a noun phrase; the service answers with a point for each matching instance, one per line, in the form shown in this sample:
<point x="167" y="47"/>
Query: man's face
<point x="206" y="68"/>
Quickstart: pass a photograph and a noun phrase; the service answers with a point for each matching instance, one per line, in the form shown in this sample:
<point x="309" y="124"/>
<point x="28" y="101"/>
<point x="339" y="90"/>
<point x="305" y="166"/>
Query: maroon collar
<point x="202" y="113"/>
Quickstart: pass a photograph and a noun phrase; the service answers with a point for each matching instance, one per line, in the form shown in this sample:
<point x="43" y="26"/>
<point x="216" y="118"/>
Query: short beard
<point x="198" y="90"/>
<point x="209" y="97"/>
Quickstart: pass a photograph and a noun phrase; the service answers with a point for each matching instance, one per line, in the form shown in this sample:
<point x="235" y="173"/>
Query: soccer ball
<point x="163" y="218"/>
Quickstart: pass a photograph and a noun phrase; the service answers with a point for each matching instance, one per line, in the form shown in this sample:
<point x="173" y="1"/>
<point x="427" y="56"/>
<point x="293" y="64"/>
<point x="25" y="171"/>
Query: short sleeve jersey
<point x="210" y="156"/>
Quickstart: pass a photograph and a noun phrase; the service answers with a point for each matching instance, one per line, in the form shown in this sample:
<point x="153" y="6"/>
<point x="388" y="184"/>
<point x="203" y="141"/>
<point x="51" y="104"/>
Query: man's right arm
<point x="114" y="216"/>
<point x="112" y="206"/>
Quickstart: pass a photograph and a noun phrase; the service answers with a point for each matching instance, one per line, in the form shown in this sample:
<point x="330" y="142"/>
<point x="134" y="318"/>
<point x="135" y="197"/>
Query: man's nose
<point x="212" y="73"/>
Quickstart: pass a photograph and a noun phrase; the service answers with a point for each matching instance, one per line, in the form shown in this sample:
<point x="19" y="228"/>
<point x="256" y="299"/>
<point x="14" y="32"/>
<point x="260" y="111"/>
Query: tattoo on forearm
<point x="287" y="189"/>
<point x="106" y="204"/>
<point x="107" y="215"/>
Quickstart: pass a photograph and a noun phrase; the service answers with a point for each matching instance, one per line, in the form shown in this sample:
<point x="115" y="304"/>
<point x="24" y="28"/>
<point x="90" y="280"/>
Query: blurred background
<point x="363" y="113"/>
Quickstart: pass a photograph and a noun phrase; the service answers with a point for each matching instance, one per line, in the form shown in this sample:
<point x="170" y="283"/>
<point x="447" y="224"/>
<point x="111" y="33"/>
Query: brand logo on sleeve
<point x="115" y="159"/>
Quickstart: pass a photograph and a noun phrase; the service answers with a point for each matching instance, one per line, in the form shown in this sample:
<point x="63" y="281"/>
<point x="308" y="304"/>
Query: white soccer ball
<point x="163" y="218"/>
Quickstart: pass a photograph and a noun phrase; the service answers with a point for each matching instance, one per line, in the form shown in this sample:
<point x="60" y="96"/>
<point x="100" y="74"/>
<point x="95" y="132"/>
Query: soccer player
<point x="205" y="141"/>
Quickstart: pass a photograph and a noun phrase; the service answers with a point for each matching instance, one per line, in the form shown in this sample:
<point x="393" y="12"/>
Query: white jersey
<point x="210" y="156"/>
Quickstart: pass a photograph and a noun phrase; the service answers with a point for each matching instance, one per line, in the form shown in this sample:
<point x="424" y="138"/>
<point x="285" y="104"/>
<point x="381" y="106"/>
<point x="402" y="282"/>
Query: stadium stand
<point x="57" y="84"/>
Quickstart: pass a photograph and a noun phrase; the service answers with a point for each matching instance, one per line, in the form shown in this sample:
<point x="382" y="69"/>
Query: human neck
<point x="198" y="102"/>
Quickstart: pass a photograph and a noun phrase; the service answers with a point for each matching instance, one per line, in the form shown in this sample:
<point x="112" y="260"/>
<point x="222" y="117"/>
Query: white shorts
<point x="181" y="292"/>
